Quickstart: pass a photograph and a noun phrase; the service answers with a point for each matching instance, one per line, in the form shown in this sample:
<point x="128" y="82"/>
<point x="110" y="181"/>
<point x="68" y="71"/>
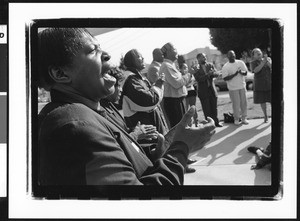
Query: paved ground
<point x="225" y="159"/>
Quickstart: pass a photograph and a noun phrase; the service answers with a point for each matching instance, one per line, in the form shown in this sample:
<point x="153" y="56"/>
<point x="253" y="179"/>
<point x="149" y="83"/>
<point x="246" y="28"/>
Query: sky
<point x="119" y="42"/>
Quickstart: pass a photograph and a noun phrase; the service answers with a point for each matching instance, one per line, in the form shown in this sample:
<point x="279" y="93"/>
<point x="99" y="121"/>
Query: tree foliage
<point x="239" y="39"/>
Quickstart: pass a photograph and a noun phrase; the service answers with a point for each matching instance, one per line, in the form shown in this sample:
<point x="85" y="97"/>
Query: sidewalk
<point x="225" y="159"/>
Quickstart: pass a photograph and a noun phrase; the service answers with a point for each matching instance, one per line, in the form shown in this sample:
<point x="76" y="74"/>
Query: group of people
<point x="84" y="140"/>
<point x="234" y="72"/>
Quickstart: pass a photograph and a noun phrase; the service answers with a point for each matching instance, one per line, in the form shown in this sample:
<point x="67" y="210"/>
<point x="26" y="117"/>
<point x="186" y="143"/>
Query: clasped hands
<point x="194" y="137"/>
<point x="147" y="132"/>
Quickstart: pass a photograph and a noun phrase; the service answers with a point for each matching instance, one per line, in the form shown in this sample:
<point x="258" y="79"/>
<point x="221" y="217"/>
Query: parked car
<point x="221" y="85"/>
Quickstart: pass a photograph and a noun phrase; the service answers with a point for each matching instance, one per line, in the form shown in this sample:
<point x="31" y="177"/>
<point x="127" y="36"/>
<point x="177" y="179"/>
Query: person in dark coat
<point x="140" y="132"/>
<point x="204" y="74"/>
<point x="141" y="99"/>
<point x="77" y="145"/>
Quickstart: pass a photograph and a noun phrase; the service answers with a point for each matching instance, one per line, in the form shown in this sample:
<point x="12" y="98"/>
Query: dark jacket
<point x="205" y="83"/>
<point x="79" y="146"/>
<point x="141" y="102"/>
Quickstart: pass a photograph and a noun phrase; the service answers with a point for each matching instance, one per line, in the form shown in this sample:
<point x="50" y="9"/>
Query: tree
<point x="239" y="39"/>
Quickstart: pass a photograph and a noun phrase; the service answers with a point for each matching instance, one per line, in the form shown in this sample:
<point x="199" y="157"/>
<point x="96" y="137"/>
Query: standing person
<point x="175" y="85"/>
<point x="153" y="75"/>
<point x="234" y="72"/>
<point x="192" y="93"/>
<point x="262" y="69"/>
<point x="140" y="131"/>
<point x="204" y="74"/>
<point x="153" y="70"/>
<point x="77" y="145"/>
<point x="175" y="89"/>
<point x="141" y="99"/>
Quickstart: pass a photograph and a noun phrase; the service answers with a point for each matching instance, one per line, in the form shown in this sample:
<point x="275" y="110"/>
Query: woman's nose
<point x="105" y="56"/>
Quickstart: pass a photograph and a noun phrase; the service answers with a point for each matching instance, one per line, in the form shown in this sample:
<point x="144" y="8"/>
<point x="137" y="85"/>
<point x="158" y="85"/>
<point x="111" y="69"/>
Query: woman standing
<point x="261" y="66"/>
<point x="141" y="100"/>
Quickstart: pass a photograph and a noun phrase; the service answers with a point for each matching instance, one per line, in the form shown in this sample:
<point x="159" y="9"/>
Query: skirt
<point x="260" y="97"/>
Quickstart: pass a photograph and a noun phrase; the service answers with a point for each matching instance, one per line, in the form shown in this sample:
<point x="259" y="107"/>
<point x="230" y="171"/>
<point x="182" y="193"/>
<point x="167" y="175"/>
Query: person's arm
<point x="243" y="70"/>
<point x="229" y="77"/>
<point x="198" y="76"/>
<point x="141" y="98"/>
<point x="152" y="74"/>
<point x="212" y="71"/>
<point x="174" y="77"/>
<point x="257" y="68"/>
<point x="108" y="162"/>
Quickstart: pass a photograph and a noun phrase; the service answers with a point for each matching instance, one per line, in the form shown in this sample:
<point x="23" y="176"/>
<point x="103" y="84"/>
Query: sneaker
<point x="245" y="121"/>
<point x="236" y="122"/>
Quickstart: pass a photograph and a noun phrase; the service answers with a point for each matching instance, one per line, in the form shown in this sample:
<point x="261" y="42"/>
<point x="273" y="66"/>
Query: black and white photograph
<point x="146" y="108"/>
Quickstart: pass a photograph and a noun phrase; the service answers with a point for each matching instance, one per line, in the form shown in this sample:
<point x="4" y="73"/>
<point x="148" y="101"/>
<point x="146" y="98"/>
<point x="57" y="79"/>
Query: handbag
<point x="228" y="117"/>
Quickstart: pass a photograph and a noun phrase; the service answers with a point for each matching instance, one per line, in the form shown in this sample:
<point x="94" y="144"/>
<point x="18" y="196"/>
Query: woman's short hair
<point x="130" y="58"/>
<point x="254" y="50"/>
<point x="57" y="48"/>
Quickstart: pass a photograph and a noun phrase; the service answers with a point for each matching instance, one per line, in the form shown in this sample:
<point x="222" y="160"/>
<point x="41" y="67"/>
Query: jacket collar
<point x="67" y="94"/>
<point x="136" y="72"/>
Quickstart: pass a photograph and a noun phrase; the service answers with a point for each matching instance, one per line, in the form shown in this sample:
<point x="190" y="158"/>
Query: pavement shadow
<point x="246" y="156"/>
<point x="229" y="144"/>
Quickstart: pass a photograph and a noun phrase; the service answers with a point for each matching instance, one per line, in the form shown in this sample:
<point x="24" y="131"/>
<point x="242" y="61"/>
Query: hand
<point x="143" y="131"/>
<point x="160" y="148"/>
<point x="194" y="69"/>
<point x="160" y="81"/>
<point x="194" y="137"/>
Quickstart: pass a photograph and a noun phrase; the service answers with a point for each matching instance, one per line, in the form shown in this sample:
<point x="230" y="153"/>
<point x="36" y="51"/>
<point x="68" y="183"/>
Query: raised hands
<point x="194" y="137"/>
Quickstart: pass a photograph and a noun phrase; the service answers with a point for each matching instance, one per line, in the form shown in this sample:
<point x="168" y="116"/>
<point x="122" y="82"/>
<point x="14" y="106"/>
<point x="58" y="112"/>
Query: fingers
<point x="210" y="121"/>
<point x="187" y="117"/>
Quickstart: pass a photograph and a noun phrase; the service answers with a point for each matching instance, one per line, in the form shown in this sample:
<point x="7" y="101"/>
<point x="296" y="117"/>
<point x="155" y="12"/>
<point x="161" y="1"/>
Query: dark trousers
<point x="175" y="109"/>
<point x="209" y="107"/>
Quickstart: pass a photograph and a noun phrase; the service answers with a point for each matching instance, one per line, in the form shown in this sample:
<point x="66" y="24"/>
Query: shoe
<point x="219" y="125"/>
<point x="266" y="120"/>
<point x="236" y="122"/>
<point x="189" y="170"/>
<point x="263" y="161"/>
<point x="245" y="121"/>
<point x="253" y="149"/>
<point x="190" y="161"/>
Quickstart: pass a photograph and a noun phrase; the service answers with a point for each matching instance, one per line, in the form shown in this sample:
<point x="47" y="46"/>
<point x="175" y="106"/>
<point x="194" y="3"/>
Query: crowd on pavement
<point x="85" y="140"/>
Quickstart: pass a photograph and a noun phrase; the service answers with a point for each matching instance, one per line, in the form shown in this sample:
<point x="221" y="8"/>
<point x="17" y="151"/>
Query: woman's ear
<point x="59" y="75"/>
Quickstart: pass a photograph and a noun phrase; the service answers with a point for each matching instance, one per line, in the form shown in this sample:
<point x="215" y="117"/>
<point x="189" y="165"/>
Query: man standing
<point x="234" y="72"/>
<point x="175" y="90"/>
<point x="153" y="75"/>
<point x="153" y="70"/>
<point x="204" y="74"/>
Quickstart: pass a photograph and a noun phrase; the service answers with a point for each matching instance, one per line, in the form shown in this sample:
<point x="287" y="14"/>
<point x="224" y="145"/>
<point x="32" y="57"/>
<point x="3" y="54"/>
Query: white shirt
<point x="238" y="82"/>
<point x="174" y="81"/>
